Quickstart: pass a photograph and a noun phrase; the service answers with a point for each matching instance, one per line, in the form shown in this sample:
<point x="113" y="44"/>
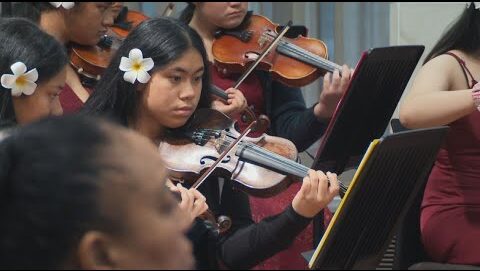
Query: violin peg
<point x="218" y="33"/>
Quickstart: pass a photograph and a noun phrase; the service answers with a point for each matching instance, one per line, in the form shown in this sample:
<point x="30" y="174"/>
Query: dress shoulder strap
<point x="465" y="70"/>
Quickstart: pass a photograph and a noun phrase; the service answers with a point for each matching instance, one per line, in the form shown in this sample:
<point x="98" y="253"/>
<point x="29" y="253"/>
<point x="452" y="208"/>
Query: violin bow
<point x="220" y="158"/>
<point x="168" y="10"/>
<point x="262" y="56"/>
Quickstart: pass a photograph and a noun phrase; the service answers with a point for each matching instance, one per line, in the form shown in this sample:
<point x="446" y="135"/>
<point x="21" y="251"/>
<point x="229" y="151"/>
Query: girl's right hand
<point x="193" y="203"/>
<point x="315" y="193"/>
<point x="236" y="103"/>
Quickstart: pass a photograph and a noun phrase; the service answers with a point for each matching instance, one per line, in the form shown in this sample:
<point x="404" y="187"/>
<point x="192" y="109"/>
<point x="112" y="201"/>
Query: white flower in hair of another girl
<point x="136" y="67"/>
<point x="65" y="5"/>
<point x="20" y="81"/>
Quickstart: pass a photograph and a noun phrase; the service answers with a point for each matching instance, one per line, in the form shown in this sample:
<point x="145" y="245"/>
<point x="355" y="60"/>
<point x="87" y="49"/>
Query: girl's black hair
<point x="22" y="40"/>
<point x="50" y="172"/>
<point x="463" y="35"/>
<point x="164" y="40"/>
<point x="33" y="10"/>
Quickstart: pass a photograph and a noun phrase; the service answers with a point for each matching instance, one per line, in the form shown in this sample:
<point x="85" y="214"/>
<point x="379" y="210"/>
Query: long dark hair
<point x="33" y="10"/>
<point x="50" y="178"/>
<point x="22" y="40"/>
<point x="464" y="35"/>
<point x="164" y="40"/>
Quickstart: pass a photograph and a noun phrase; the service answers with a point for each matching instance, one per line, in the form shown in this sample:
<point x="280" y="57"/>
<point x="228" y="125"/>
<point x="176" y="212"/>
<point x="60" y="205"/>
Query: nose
<point x="234" y="4"/>
<point x="187" y="92"/>
<point x="108" y="18"/>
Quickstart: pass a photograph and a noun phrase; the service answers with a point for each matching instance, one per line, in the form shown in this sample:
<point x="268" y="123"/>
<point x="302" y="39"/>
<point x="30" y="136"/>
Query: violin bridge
<point x="220" y="143"/>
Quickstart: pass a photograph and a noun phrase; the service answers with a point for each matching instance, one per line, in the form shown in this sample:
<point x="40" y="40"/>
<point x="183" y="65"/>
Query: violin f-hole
<point x="203" y="161"/>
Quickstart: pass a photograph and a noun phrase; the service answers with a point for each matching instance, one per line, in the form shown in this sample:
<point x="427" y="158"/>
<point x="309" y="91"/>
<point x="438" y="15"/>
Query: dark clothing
<point x="290" y="119"/>
<point x="246" y="244"/>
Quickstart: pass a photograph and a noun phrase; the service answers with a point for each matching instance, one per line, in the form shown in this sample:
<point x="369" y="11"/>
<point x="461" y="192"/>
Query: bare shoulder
<point x="445" y="68"/>
<point x="445" y="63"/>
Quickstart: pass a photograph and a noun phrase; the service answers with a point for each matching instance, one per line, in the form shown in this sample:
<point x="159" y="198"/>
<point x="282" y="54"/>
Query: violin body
<point x="295" y="62"/>
<point x="132" y="18"/>
<point x="186" y="159"/>
<point x="91" y="61"/>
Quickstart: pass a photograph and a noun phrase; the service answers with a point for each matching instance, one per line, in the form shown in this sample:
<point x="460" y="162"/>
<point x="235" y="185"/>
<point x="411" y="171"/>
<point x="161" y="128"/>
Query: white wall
<point x="421" y="23"/>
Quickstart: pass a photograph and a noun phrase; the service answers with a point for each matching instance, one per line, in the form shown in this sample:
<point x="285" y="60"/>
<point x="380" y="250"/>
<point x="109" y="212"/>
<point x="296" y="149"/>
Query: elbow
<point x="408" y="118"/>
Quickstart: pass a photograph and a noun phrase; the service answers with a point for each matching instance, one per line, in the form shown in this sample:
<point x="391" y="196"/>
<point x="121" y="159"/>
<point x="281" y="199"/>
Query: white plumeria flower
<point x="136" y="67"/>
<point x="65" y="5"/>
<point x="20" y="81"/>
<point x="477" y="5"/>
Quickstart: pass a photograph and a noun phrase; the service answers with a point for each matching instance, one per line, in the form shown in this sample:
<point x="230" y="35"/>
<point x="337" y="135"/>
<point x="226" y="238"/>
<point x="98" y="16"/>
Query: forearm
<point x="436" y="108"/>
<point x="251" y="245"/>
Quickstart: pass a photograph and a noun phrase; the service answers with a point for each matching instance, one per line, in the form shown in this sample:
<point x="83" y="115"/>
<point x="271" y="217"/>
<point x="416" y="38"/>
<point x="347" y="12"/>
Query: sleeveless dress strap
<point x="465" y="70"/>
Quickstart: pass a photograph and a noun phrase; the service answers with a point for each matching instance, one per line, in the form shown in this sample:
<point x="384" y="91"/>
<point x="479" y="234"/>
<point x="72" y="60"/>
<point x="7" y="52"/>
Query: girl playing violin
<point x="83" y="23"/>
<point x="285" y="106"/>
<point x="32" y="70"/>
<point x="156" y="81"/>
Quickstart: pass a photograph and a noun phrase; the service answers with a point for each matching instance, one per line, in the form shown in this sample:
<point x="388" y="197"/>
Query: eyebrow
<point x="179" y="69"/>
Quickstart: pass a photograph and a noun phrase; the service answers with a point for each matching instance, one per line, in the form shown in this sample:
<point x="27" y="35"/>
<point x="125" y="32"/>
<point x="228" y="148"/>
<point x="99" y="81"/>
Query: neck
<point x="53" y="23"/>
<point x="204" y="29"/>
<point x="148" y="127"/>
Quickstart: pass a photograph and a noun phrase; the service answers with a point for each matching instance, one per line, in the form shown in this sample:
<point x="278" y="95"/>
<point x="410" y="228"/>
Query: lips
<point x="183" y="111"/>
<point x="236" y="13"/>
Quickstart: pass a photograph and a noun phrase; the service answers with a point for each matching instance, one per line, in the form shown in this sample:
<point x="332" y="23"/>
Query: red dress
<point x="450" y="217"/>
<point x="70" y="101"/>
<point x="265" y="207"/>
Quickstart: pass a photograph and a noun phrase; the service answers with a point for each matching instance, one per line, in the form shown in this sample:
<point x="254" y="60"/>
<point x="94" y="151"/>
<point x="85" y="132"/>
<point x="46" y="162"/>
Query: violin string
<point x="300" y="169"/>
<point x="305" y="53"/>
<point x="324" y="63"/>
<point x="273" y="157"/>
<point x="303" y="170"/>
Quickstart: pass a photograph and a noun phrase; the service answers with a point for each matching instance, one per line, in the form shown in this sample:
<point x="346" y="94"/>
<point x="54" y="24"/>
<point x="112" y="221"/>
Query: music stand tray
<point x="392" y="170"/>
<point x="365" y="109"/>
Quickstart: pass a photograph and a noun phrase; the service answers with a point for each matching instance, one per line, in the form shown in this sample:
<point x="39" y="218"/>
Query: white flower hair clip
<point x="20" y="81"/>
<point x="477" y="5"/>
<point x="136" y="67"/>
<point x="65" y="5"/>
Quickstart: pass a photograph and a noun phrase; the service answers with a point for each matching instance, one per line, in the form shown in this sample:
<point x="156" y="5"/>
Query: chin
<point x="177" y="123"/>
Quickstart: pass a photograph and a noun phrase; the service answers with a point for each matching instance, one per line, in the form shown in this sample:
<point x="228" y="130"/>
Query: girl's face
<point x="173" y="92"/>
<point x="226" y="15"/>
<point x="43" y="102"/>
<point x="87" y="23"/>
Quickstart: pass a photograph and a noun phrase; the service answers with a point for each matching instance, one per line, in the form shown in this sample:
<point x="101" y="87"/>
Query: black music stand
<point x="364" y="112"/>
<point x="391" y="173"/>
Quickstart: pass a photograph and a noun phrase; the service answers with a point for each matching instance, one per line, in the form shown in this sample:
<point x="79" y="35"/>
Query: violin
<point x="261" y="166"/>
<point x="295" y="62"/>
<point x="91" y="61"/>
<point x="218" y="226"/>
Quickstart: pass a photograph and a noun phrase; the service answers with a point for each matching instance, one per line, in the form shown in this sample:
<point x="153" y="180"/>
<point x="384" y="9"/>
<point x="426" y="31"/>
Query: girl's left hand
<point x="236" y="103"/>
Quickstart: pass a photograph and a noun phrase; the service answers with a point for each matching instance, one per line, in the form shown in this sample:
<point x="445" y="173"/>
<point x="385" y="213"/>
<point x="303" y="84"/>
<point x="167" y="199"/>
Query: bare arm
<point x="435" y="98"/>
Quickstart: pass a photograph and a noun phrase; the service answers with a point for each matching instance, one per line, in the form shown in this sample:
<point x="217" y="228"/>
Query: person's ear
<point x="96" y="251"/>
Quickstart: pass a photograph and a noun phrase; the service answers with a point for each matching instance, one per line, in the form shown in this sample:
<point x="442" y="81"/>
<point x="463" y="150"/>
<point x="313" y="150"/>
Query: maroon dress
<point x="450" y="215"/>
<point x="70" y="101"/>
<point x="265" y="207"/>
